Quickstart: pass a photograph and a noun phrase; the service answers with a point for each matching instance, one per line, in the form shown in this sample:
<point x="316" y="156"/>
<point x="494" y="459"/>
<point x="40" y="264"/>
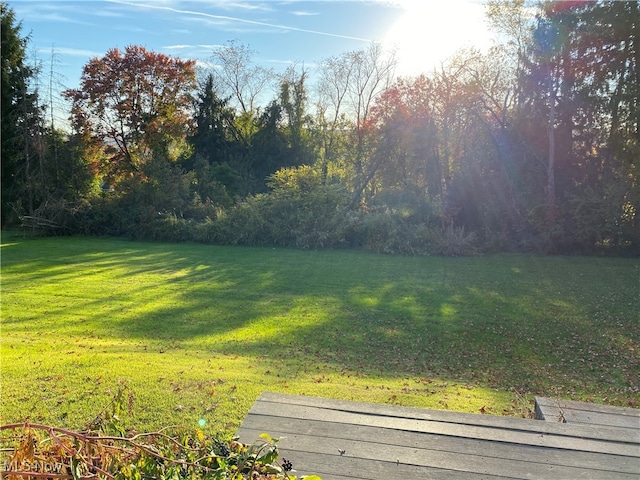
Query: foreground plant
<point x="44" y="451"/>
<point x="103" y="450"/>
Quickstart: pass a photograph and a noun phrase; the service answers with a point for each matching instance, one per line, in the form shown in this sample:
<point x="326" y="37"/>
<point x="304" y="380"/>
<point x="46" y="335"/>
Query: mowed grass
<point x="197" y="331"/>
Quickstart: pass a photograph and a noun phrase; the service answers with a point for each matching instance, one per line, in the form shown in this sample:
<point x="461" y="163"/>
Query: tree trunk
<point x="551" y="135"/>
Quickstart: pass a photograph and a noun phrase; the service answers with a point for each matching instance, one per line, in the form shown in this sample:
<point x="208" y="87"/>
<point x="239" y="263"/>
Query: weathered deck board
<point x="583" y="413"/>
<point x="385" y="442"/>
<point x="385" y="437"/>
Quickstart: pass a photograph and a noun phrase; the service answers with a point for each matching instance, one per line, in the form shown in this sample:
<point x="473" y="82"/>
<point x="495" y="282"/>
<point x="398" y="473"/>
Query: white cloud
<point x="176" y="47"/>
<point x="135" y="29"/>
<point x="63" y="13"/>
<point x="230" y="19"/>
<point x="301" y="13"/>
<point x="280" y="62"/>
<point x="39" y="15"/>
<point x="190" y="51"/>
<point x="193" y="47"/>
<point x="76" y="52"/>
<point x="205" y="64"/>
<point x="106" y="13"/>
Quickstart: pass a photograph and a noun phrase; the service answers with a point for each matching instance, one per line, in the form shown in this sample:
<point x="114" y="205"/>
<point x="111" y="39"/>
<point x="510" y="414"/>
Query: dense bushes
<point x="305" y="211"/>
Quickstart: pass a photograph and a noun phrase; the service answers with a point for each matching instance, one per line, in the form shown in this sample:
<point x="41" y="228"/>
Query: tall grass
<point x="197" y="332"/>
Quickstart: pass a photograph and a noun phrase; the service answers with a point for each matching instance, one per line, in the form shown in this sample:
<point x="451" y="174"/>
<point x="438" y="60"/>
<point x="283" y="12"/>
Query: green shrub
<point x="379" y="232"/>
<point x="393" y="233"/>
<point x="244" y="223"/>
<point x="310" y="219"/>
<point x="452" y="241"/>
<point x="209" y="229"/>
<point x="169" y="227"/>
<point x="300" y="212"/>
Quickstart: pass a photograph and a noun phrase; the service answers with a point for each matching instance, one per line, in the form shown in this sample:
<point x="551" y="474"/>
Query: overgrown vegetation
<point x="531" y="147"/>
<point x="200" y="331"/>
<point x="103" y="449"/>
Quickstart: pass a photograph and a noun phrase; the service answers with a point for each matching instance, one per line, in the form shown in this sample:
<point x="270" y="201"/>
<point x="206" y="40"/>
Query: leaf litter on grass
<point x="544" y="330"/>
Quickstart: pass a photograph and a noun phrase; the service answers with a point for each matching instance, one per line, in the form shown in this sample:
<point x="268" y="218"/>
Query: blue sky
<point x="282" y="32"/>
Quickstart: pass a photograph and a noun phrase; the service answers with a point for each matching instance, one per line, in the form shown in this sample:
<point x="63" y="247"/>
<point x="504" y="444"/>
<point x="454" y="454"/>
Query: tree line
<point x="532" y="146"/>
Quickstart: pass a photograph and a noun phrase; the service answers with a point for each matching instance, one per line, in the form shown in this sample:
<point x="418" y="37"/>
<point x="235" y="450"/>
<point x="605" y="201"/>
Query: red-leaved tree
<point x="135" y="102"/>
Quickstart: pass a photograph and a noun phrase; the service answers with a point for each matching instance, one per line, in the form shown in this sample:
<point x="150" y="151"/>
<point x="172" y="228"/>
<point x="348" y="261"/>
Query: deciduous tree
<point x="294" y="99"/>
<point x="349" y="85"/>
<point x="238" y="77"/>
<point x="138" y="103"/>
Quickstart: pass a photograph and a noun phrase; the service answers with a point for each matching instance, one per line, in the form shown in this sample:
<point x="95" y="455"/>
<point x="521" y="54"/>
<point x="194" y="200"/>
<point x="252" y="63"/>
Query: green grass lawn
<point x="197" y="332"/>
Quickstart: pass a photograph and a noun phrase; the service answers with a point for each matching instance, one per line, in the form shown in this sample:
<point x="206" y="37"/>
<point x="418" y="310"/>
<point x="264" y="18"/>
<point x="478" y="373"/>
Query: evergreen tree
<point x="20" y="118"/>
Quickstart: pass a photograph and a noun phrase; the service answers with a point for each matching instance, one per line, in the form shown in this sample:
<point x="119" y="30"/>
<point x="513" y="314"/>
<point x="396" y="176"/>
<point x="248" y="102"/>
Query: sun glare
<point x="431" y="31"/>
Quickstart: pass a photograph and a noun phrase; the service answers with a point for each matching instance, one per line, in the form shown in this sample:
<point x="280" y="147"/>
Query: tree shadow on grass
<point x="535" y="324"/>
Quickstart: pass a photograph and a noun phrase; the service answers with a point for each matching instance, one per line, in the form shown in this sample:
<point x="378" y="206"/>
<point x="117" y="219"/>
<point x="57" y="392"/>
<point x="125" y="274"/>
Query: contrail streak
<point x="241" y="20"/>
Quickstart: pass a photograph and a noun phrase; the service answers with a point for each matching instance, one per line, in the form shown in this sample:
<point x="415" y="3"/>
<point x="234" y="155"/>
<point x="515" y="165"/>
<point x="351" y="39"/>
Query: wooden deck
<point x="340" y="440"/>
<point x="581" y="413"/>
